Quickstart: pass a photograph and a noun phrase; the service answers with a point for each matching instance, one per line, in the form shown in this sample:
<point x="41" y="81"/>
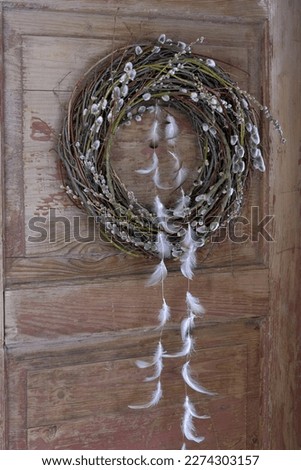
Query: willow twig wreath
<point x="155" y="79"/>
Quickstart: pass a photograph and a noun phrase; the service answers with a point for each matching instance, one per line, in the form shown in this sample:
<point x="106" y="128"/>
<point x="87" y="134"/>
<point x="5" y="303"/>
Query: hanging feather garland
<point x="161" y="78"/>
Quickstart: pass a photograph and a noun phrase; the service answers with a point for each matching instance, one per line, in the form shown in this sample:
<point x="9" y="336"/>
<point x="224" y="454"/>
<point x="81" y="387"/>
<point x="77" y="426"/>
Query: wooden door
<point x="76" y="313"/>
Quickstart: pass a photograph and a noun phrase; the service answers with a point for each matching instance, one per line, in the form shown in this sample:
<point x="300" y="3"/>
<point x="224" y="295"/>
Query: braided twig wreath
<point x="136" y="80"/>
<point x="158" y="79"/>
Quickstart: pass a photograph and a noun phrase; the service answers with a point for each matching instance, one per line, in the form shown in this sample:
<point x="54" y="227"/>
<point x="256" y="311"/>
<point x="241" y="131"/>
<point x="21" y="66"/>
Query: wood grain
<point x="69" y="390"/>
<point x="282" y="335"/>
<point x="194" y="9"/>
<point x="125" y="303"/>
<point x="2" y="358"/>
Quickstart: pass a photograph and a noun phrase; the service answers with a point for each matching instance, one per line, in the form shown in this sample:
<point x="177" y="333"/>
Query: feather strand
<point x="158" y="370"/>
<point x="186" y="325"/>
<point x="154" y="134"/>
<point x="187" y="348"/>
<point x="151" y="168"/>
<point x="157" y="356"/>
<point x="188" y="428"/>
<point x="190" y="407"/>
<point x="160" y="209"/>
<point x="156" y="396"/>
<point x="182" y="204"/>
<point x="164" y="314"/>
<point x="177" y="164"/>
<point x="181" y="176"/>
<point x="171" y="130"/>
<point x="158" y="275"/>
<point x="194" y="305"/>
<point x="186" y="374"/>
<point x="163" y="245"/>
<point x="188" y="240"/>
<point x="157" y="182"/>
<point x="188" y="262"/>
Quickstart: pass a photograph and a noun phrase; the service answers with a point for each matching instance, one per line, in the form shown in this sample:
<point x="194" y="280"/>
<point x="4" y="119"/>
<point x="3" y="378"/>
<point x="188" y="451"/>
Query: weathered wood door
<point x="76" y="313"/>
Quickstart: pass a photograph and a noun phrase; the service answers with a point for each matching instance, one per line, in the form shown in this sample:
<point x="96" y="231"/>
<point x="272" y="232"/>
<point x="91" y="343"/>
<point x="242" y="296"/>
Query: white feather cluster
<point x="188" y="259"/>
<point x="157" y="363"/>
<point x="188" y="428"/>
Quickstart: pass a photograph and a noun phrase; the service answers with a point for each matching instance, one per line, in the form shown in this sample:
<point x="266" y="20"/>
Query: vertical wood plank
<point x="282" y="405"/>
<point x="2" y="369"/>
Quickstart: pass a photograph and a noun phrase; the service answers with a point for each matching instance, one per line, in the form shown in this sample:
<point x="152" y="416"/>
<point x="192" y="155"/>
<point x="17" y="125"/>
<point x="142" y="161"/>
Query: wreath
<point x="159" y="80"/>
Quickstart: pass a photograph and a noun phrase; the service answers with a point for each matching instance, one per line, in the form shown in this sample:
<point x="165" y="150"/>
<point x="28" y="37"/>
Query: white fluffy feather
<point x="186" y="325"/>
<point x="190" y="407"/>
<point x="158" y="275"/>
<point x="187" y="348"/>
<point x="188" y="428"/>
<point x="164" y="314"/>
<point x="177" y="163"/>
<point x="154" y="134"/>
<point x="171" y="130"/>
<point x="188" y="240"/>
<point x="156" y="396"/>
<point x="158" y="355"/>
<point x="158" y="370"/>
<point x="188" y="262"/>
<point x="157" y="181"/>
<point x="160" y="209"/>
<point x="194" y="305"/>
<point x="152" y="167"/>
<point x="186" y="374"/>
<point x="182" y="203"/>
<point x="181" y="176"/>
<point x="163" y="246"/>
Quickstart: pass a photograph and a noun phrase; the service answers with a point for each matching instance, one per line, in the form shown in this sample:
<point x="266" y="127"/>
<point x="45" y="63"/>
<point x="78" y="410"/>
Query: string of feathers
<point x="187" y="265"/>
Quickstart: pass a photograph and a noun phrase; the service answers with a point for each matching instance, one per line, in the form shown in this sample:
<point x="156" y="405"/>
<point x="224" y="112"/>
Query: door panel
<point x="77" y="396"/>
<point x="77" y="313"/>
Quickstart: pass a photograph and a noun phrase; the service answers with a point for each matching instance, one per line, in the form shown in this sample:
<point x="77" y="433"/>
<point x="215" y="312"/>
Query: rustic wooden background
<point x="75" y="316"/>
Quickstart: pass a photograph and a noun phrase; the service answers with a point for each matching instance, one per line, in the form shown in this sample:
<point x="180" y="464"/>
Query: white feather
<point x="156" y="396"/>
<point x="188" y="240"/>
<point x="152" y="167"/>
<point x="158" y="275"/>
<point x="171" y="130"/>
<point x="186" y="374"/>
<point x="158" y="370"/>
<point x="190" y="407"/>
<point x="158" y="355"/>
<point x="154" y="134"/>
<point x="182" y="203"/>
<point x="157" y="182"/>
<point x="188" y="428"/>
<point x="186" y="325"/>
<point x="177" y="164"/>
<point x="183" y="446"/>
<point x="160" y="209"/>
<point x="194" y="305"/>
<point x="188" y="262"/>
<point x="163" y="246"/>
<point x="187" y="348"/>
<point x="181" y="176"/>
<point x="164" y="314"/>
